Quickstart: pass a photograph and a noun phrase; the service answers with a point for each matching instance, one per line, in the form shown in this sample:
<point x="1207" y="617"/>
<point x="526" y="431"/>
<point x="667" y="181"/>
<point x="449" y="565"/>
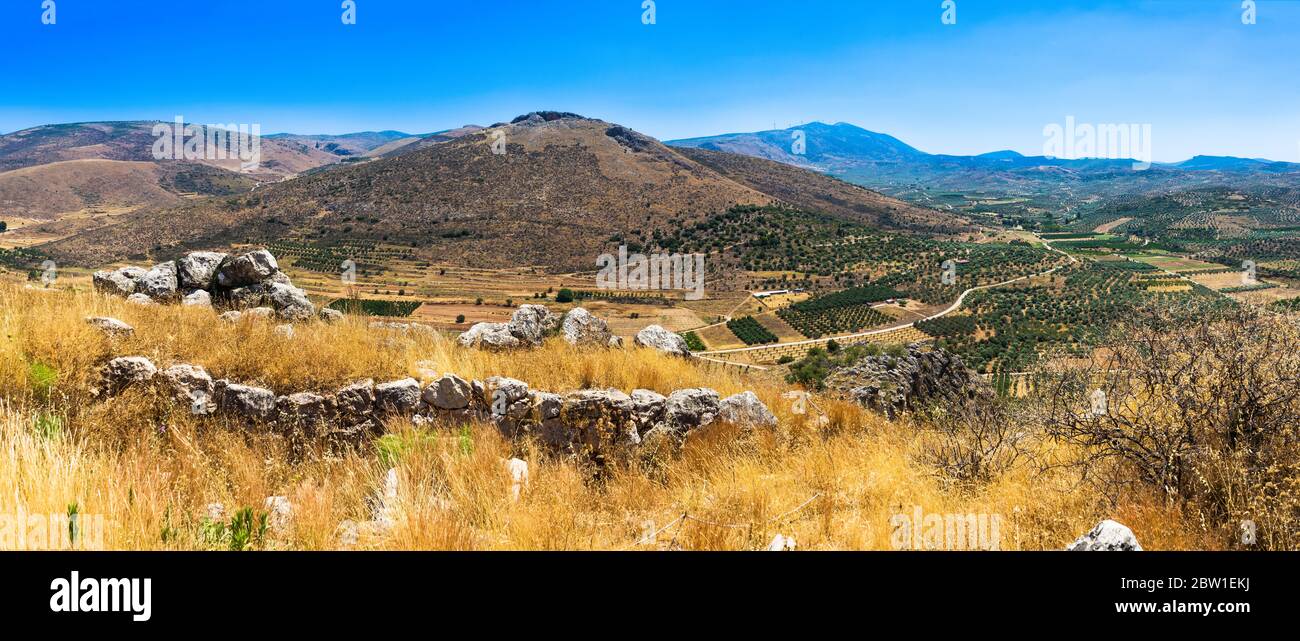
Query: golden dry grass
<point x="151" y="473"/>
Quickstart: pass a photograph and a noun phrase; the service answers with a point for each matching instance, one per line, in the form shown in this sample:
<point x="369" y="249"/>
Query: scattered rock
<point x="259" y="312"/>
<point x="781" y="543"/>
<point x="356" y="402"/>
<point x="245" y="400"/>
<point x="120" y="282"/>
<point x="284" y="331"/>
<point x="191" y="384"/>
<point x="330" y="315"/>
<point x="125" y="371"/>
<point x="250" y="269"/>
<point x="657" y="337"/>
<point x="494" y="336"/>
<point x="159" y="283"/>
<point x="1108" y="536"/>
<point x="582" y="328"/>
<point x="450" y="392"/>
<point x="398" y="397"/>
<point x="518" y="470"/>
<point x="745" y="410"/>
<point x="531" y="323"/>
<point x="140" y="299"/>
<point x="290" y="303"/>
<point x="197" y="298"/>
<point x="111" y="326"/>
<point x="231" y="316"/>
<point x="199" y="269"/>
<point x="688" y="409"/>
<point x="279" y="513"/>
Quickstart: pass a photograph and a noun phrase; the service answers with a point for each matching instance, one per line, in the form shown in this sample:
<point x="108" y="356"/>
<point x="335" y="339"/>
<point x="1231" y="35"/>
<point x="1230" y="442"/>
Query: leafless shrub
<point x="1201" y="407"/>
<point x="974" y="442"/>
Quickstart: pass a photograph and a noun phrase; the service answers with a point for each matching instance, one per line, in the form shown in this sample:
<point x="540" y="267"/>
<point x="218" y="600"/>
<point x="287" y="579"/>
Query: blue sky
<point x="1205" y="82"/>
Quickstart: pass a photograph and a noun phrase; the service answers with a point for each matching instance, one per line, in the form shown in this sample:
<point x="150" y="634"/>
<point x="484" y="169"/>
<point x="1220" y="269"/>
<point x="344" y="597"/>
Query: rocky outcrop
<point x="207" y="279"/>
<point x="895" y="384"/>
<point x="1108" y="536"/>
<point x="656" y="337"/>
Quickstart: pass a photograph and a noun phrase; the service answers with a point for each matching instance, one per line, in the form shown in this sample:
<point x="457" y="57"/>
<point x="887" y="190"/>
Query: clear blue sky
<point x="1206" y="82"/>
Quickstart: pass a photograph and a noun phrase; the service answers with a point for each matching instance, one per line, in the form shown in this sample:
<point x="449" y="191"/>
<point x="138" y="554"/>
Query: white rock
<point x="518" y="469"/>
<point x="197" y="298"/>
<point x="657" y="337"/>
<point x="280" y="513"/>
<point x="111" y="326"/>
<point x="781" y="543"/>
<point x="1108" y="536"/>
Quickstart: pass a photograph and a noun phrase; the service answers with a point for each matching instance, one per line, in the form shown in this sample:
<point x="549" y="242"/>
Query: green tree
<point x="564" y="296"/>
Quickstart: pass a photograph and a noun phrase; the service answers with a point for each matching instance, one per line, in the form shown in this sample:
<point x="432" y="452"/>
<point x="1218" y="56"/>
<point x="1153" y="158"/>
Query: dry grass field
<point x="832" y="482"/>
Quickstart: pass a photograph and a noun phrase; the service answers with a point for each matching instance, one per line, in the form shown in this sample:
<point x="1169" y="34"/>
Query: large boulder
<point x="247" y="297"/>
<point x="450" y="392"/>
<point x="492" y="336"/>
<point x="648" y="409"/>
<point x="191" y="384"/>
<point x="159" y="283"/>
<point x="290" y="303"/>
<point x="197" y="298"/>
<point x="1108" y="536"/>
<point x="531" y="323"/>
<point x="745" y="410"/>
<point x="398" y="397"/>
<point x="691" y="408"/>
<point x="510" y="403"/>
<point x="249" y="269"/>
<point x="119" y="282"/>
<point x="125" y="371"/>
<point x="356" y="402"/>
<point x="580" y="327"/>
<point x="892" y="384"/>
<point x="113" y="327"/>
<point x="199" y="269"/>
<point x="305" y="409"/>
<point x="245" y="400"/>
<point x="657" y="337"/>
<point x="596" y="422"/>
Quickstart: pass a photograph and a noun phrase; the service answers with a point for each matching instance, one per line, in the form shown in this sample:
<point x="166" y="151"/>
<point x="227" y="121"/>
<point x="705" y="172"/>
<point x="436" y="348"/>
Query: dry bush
<point x="1200" y="408"/>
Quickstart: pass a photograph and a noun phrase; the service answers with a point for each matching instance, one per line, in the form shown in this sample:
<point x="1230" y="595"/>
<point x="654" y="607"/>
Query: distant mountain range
<point x="881" y="161"/>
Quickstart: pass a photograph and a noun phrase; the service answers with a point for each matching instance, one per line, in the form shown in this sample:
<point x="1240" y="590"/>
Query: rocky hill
<point x="575" y="182"/>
